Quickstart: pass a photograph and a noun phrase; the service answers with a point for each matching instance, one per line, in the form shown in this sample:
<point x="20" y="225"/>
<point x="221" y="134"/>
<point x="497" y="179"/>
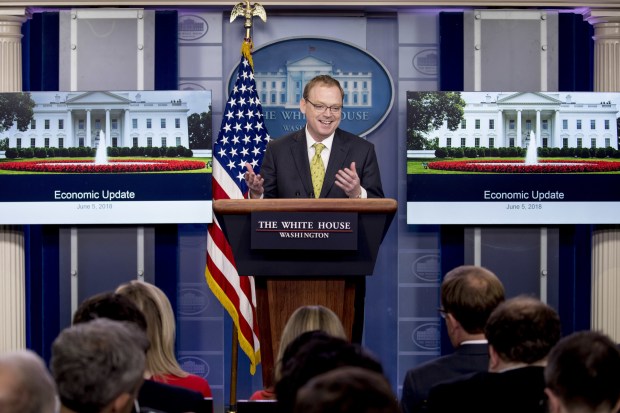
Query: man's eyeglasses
<point x="322" y="108"/>
<point x="442" y="312"/>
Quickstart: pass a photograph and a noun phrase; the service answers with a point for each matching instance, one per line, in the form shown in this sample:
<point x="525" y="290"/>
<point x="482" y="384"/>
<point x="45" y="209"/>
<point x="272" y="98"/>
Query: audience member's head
<point x="109" y="305"/>
<point x="521" y="331"/>
<point x="99" y="365"/>
<point x="347" y="390"/>
<point x="582" y="374"/>
<point x="468" y="296"/>
<point x="308" y="318"/>
<point x="160" y="326"/>
<point x="25" y="384"/>
<point x="314" y="353"/>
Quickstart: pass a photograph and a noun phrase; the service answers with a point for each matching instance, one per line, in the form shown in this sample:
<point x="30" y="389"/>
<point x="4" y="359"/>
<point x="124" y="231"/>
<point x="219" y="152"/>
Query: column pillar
<point x="88" y="137"/>
<point x="605" y="240"/>
<point x="70" y="128"/>
<point x="12" y="289"/>
<point x="556" y="141"/>
<point x="126" y="131"/>
<point x="501" y="141"/>
<point x="108" y="128"/>
<point x="538" y="129"/>
<point x="11" y="20"/>
<point x="605" y="286"/>
<point x="518" y="140"/>
<point x="606" y="49"/>
<point x="12" y="255"/>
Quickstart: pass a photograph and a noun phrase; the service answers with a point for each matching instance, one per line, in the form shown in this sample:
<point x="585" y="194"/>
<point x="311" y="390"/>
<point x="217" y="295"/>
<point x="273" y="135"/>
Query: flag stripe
<point x="242" y="139"/>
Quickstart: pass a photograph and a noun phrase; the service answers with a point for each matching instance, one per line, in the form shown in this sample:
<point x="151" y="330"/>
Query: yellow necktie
<point x="317" y="169"/>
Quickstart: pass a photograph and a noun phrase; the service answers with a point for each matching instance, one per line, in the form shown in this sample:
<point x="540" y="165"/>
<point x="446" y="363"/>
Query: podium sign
<point x="304" y="231"/>
<point x="288" y="278"/>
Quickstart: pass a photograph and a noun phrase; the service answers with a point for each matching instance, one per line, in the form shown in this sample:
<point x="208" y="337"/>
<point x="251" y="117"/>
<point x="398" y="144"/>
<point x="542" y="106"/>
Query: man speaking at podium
<point x="321" y="160"/>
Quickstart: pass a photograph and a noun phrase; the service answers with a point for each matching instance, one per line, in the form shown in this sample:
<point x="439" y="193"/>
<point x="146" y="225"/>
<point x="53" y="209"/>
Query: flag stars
<point x="241" y="138"/>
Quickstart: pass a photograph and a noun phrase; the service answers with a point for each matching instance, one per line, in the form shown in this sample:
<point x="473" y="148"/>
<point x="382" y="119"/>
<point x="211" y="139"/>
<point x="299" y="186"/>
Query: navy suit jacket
<point x="466" y="359"/>
<point x="520" y="390"/>
<point x="286" y="168"/>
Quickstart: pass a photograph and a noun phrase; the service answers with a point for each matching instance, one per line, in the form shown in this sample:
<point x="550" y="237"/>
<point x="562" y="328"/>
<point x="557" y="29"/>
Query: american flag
<point x="242" y="139"/>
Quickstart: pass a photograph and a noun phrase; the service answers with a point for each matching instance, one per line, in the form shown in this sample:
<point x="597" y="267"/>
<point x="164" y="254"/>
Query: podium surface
<point x="286" y="279"/>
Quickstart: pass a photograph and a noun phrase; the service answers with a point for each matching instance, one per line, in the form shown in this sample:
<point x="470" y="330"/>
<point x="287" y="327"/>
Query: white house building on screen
<point x="558" y="120"/>
<point x="127" y="119"/>
<point x="285" y="87"/>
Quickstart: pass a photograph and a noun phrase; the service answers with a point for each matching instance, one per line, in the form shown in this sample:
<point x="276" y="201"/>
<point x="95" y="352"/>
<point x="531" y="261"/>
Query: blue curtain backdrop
<point x="166" y="50"/>
<point x="451" y="51"/>
<point x="576" y="54"/>
<point x="40" y="52"/>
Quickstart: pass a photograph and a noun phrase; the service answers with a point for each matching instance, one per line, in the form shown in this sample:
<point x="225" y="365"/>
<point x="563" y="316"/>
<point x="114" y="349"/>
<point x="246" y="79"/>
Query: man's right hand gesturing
<point x="254" y="182"/>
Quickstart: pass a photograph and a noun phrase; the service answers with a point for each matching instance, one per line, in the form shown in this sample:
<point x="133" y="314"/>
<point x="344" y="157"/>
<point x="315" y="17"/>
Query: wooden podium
<point x="288" y="279"/>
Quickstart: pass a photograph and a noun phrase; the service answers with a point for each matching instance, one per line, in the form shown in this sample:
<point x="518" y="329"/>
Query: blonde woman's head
<point x="308" y="318"/>
<point x="161" y="327"/>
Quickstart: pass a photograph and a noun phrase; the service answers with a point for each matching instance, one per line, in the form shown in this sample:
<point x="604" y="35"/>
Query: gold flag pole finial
<point x="248" y="11"/>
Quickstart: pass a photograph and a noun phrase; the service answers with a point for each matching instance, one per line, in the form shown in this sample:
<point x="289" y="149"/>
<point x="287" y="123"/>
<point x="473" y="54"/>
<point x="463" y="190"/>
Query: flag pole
<point x="233" y="371"/>
<point x="247" y="11"/>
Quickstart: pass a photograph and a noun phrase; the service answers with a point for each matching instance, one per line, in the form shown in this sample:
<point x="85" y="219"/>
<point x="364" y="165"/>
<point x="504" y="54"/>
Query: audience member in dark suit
<point x="582" y="374"/>
<point x="25" y="384"/>
<point x="468" y="296"/>
<point x="99" y="366"/>
<point x="350" y="163"/>
<point x="347" y="390"/>
<point x="314" y="353"/>
<point x="153" y="396"/>
<point x="521" y="332"/>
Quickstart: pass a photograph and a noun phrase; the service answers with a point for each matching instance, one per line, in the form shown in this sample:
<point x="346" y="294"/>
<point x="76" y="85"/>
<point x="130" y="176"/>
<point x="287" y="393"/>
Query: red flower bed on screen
<point x="115" y="166"/>
<point x="544" y="166"/>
